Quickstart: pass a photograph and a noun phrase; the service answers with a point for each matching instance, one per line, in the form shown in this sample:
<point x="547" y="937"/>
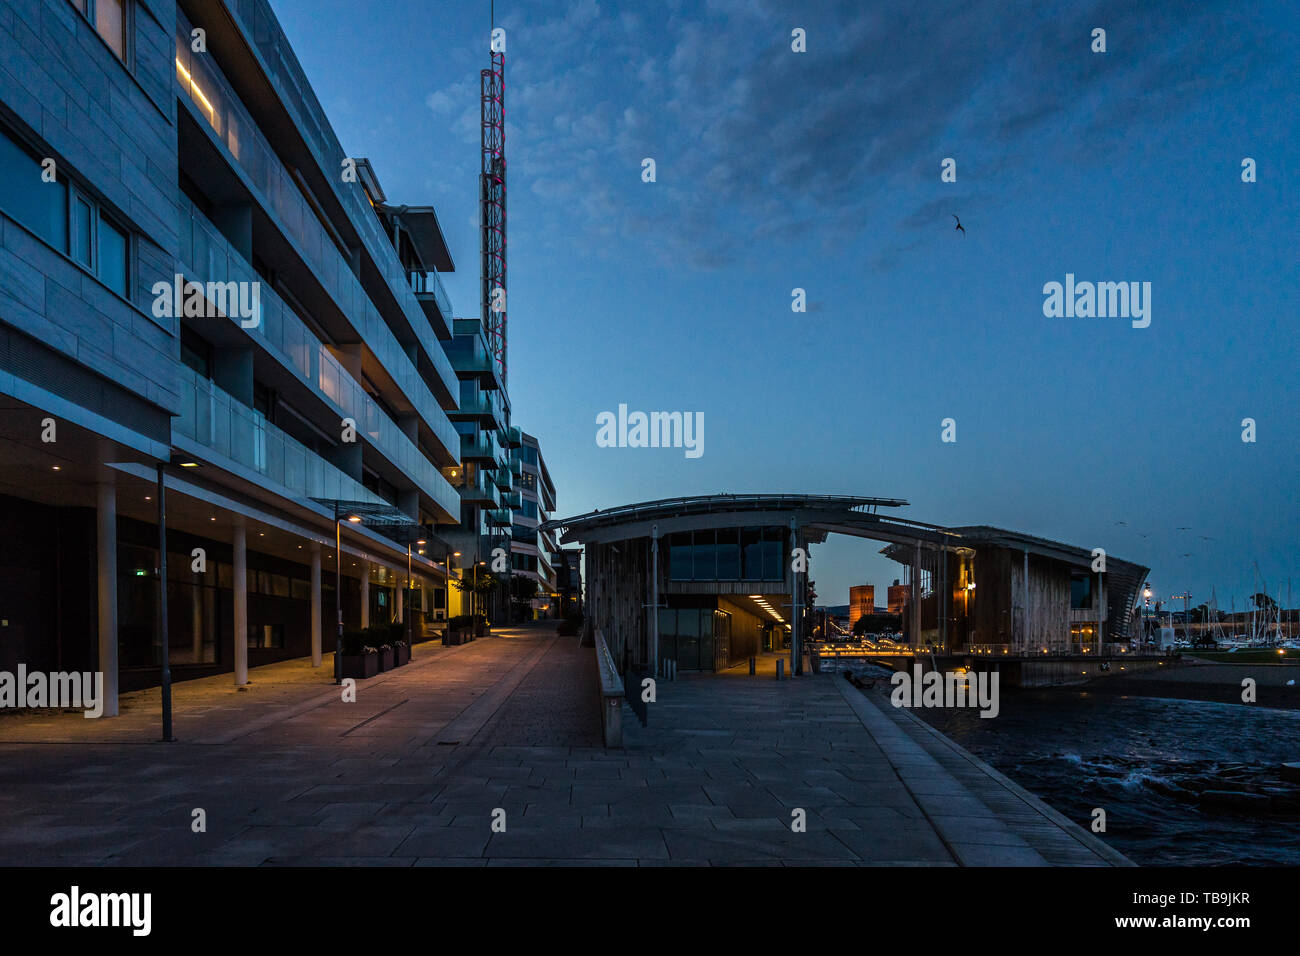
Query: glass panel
<point x="82" y="218"/>
<point x="680" y="557"/>
<point x="728" y="555"/>
<point x="751" y="548"/>
<point x="706" y="560"/>
<point x="40" y="206"/>
<point x="688" y="639"/>
<point x="112" y="257"/>
<point x="773" y="553"/>
<point x="111" y="24"/>
<point x="706" y="640"/>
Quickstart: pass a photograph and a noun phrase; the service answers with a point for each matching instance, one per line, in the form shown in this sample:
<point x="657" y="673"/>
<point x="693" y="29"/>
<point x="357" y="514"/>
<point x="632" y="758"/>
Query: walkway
<point x="416" y="771"/>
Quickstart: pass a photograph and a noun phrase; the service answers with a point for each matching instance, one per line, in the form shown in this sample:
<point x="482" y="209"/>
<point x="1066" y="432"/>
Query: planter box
<point x="359" y="666"/>
<point x="385" y="656"/>
<point x="401" y="655"/>
<point x="458" y="636"/>
<point x="482" y="630"/>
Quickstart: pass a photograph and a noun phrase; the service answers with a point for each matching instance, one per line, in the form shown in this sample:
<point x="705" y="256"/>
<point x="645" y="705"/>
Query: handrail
<point x="611" y="693"/>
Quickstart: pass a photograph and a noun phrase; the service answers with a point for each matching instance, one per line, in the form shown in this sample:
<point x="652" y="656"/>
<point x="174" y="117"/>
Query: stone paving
<point x="414" y="772"/>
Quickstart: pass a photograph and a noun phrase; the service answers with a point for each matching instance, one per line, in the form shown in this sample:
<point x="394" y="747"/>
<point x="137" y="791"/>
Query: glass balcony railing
<point x="511" y="500"/>
<point x="468" y="354"/>
<point x="475" y="447"/>
<point x="481" y="490"/>
<point x="499" y="517"/>
<point x="503" y="479"/>
<point x="215" y="100"/>
<point x="221" y="424"/>
<point x="430" y="283"/>
<point x="282" y="69"/>
<point x="288" y="339"/>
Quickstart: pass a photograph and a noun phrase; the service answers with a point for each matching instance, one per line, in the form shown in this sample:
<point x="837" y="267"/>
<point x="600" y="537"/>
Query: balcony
<point x="208" y="96"/>
<point x="284" y="336"/>
<point x="516" y="438"/>
<point x="217" y="422"/>
<point x="511" y="500"/>
<point x="481" y="409"/>
<point x="503" y="479"/>
<point x="476" y="448"/>
<point x="499" y="517"/>
<point x="431" y="295"/>
<point x="482" y="490"/>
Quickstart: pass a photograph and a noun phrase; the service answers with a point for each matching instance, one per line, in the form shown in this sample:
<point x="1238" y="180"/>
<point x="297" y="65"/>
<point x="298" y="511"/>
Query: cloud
<point x="753" y="140"/>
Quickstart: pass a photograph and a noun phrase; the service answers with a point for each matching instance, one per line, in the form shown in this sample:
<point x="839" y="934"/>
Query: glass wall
<point x="728" y="554"/>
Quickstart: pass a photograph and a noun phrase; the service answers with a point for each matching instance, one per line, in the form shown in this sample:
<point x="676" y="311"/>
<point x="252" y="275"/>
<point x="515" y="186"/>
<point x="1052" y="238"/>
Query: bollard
<point x="752" y="664"/>
<point x="780" y="668"/>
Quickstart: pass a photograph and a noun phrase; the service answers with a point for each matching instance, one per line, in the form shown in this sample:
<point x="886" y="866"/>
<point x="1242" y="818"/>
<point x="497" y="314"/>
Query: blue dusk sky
<point x="821" y="170"/>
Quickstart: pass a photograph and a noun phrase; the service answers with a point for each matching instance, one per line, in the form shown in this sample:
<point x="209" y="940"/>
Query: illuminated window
<point x="108" y="17"/>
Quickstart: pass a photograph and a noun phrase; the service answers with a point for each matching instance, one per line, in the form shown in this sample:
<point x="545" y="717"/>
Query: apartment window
<point x="64" y="216"/>
<point x="108" y="17"/>
<point x="196" y="353"/>
<point x="24" y="196"/>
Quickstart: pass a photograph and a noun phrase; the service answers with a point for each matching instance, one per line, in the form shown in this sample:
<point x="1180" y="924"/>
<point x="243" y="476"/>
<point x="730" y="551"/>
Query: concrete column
<point x="398" y="601"/>
<point x="106" y="545"/>
<point x="196" y="618"/>
<point x="315" y="605"/>
<point x="365" y="594"/>
<point x="240" y="584"/>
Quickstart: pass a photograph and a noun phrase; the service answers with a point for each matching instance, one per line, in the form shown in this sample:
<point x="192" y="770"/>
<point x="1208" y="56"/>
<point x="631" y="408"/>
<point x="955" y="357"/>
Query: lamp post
<point x="162" y="608"/>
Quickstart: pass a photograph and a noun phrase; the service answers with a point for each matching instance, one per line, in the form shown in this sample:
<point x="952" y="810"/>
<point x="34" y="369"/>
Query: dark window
<point x="113" y="257"/>
<point x="1080" y="591"/>
<point x="25" y="196"/>
<point x="83" y="230"/>
<point x="706" y="558"/>
<point x="728" y="555"/>
<point x="195" y="352"/>
<point x="773" y="554"/>
<point x="751" y="548"/>
<point x="680" y="564"/>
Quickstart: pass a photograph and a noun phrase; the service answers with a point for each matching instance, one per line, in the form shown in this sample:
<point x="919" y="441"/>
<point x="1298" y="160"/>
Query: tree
<point x="1263" y="602"/>
<point x="482" y="585"/>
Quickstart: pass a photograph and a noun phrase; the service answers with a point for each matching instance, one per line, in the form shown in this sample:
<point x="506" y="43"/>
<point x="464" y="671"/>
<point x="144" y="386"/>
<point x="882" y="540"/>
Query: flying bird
<point x="959" y="225"/>
<point x="1121" y="522"/>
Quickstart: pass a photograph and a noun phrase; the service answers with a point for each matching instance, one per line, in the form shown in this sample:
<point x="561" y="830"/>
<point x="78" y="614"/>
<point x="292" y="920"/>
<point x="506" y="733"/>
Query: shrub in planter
<point x="459" y="629"/>
<point x="385" y="658"/>
<point x="401" y="653"/>
<point x="359" y="659"/>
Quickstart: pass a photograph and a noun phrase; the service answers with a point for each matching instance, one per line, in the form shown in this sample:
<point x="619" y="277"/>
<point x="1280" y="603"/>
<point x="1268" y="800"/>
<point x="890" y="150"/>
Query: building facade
<point x="532" y="549"/>
<point x="194" y="275"/>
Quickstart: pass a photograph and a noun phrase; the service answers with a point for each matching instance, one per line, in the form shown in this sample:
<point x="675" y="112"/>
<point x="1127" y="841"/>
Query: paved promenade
<point x="417" y="769"/>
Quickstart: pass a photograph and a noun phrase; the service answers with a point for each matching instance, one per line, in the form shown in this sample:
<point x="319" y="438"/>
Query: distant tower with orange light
<point x="898" y="597"/>
<point x="862" y="601"/>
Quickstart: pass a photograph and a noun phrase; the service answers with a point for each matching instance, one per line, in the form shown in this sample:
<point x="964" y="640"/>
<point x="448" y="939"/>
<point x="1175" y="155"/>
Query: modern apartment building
<point x="532" y="502"/>
<point x="194" y="274"/>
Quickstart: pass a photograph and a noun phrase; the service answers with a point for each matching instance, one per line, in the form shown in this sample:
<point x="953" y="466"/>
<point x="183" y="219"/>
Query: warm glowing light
<point x="194" y="88"/>
<point x="355" y="519"/>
